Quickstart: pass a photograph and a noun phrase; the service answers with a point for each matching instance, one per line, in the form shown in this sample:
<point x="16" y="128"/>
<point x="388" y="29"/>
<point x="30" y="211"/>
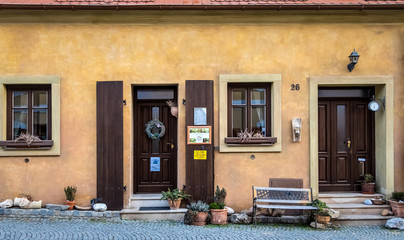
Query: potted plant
<point x="70" y="192"/>
<point x="397" y="204"/>
<point x="368" y="186"/>
<point x="217" y="210"/>
<point x="322" y="214"/>
<point x="174" y="197"/>
<point x="199" y="212"/>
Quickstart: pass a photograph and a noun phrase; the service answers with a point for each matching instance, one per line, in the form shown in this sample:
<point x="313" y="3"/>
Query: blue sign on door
<point x="155" y="164"/>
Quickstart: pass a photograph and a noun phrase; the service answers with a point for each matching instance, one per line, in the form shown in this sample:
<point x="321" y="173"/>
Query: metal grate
<point x="283" y="195"/>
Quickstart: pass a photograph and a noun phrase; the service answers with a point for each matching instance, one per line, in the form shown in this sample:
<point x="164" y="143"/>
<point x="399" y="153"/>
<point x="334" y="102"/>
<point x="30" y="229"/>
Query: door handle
<point x="349" y="143"/>
<point x="171" y="144"/>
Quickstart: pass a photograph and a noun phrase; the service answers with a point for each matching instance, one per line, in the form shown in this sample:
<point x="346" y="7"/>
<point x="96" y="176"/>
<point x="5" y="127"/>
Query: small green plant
<point x="198" y="207"/>
<point x="70" y="192"/>
<point x="398" y="196"/>
<point x="368" y="178"/>
<point x="174" y="194"/>
<point x="322" y="207"/>
<point x="215" y="206"/>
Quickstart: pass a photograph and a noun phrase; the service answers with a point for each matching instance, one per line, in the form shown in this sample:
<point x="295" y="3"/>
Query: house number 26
<point x="295" y="87"/>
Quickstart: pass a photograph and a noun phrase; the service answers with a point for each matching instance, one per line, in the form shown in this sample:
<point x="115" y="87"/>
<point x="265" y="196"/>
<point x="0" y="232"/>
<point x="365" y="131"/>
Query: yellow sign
<point x="200" y="154"/>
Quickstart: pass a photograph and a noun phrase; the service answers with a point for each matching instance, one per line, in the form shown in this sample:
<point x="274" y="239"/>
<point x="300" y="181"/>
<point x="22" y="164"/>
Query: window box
<point x="252" y="140"/>
<point x="20" y="144"/>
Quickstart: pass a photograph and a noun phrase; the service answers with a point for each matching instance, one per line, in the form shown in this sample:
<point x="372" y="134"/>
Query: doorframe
<point x="384" y="126"/>
<point x="133" y="131"/>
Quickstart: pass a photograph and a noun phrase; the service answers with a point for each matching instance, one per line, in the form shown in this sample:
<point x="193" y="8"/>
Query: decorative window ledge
<point x="253" y="140"/>
<point x="11" y="144"/>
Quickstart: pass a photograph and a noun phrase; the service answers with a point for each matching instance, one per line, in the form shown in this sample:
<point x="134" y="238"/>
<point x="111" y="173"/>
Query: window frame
<point x="233" y="144"/>
<point x="29" y="89"/>
<point x="249" y="87"/>
<point x="52" y="147"/>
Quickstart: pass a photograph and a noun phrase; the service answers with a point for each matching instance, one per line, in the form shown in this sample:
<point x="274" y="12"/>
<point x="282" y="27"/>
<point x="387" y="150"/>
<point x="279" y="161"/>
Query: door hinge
<point x="124" y="188"/>
<point x="124" y="102"/>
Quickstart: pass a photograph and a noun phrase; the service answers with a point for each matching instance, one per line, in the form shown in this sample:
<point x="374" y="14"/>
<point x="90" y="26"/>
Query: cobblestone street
<point x="36" y="228"/>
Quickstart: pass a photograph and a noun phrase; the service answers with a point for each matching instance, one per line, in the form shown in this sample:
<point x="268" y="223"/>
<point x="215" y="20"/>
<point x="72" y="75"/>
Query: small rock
<point x="368" y="202"/>
<point x="100" y="207"/>
<point x="385" y="212"/>
<point x="333" y="213"/>
<point x="395" y="223"/>
<point x="278" y="212"/>
<point x="8" y="203"/>
<point x="230" y="210"/>
<point x="24" y="203"/>
<point x="319" y="225"/>
<point x="242" y="218"/>
<point x="249" y="212"/>
<point x="56" y="207"/>
<point x="391" y="213"/>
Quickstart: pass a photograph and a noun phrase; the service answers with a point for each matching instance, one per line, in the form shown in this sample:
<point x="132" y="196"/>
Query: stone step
<point x="361" y="220"/>
<point x="342" y="197"/>
<point x="359" y="209"/>
<point x="147" y="200"/>
<point x="135" y="214"/>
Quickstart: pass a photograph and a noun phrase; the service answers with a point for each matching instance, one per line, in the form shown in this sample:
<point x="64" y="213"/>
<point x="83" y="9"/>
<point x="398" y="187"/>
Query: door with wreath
<point x="155" y="139"/>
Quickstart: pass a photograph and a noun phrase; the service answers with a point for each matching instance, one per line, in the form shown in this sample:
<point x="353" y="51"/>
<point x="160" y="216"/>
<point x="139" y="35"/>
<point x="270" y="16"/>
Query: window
<point x="28" y="111"/>
<point x="31" y="104"/>
<point x="249" y="108"/>
<point x="251" y="101"/>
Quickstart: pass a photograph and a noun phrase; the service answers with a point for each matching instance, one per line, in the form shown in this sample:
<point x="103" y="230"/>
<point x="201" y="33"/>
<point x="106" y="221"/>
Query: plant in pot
<point x="397" y="204"/>
<point x="217" y="210"/>
<point x="199" y="212"/>
<point x="322" y="214"/>
<point x="174" y="197"/>
<point x="70" y="192"/>
<point x="368" y="185"/>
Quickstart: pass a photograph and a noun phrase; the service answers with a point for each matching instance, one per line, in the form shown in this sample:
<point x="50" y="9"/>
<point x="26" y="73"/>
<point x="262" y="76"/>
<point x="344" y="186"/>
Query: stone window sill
<point x="10" y="145"/>
<point x="251" y="141"/>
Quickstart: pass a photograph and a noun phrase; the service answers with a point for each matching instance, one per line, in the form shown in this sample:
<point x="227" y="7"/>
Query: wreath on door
<point x="155" y="124"/>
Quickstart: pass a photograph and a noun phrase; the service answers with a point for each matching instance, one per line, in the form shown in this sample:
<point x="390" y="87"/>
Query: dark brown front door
<point x="346" y="139"/>
<point x="155" y="165"/>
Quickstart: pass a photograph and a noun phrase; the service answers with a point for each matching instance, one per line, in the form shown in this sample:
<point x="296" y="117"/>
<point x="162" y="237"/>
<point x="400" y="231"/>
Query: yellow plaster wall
<point x="164" y="52"/>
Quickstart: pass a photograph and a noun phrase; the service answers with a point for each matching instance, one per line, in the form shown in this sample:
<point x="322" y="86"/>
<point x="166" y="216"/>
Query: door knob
<point x="349" y="144"/>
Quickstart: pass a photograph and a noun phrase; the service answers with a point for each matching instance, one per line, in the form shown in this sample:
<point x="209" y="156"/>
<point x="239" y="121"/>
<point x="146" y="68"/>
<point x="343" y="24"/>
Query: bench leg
<point x="255" y="215"/>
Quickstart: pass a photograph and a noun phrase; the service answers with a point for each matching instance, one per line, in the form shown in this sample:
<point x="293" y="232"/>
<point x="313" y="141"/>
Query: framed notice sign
<point x="199" y="135"/>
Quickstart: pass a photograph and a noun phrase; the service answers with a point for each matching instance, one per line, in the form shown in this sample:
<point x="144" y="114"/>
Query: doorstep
<point x="47" y="213"/>
<point x="136" y="214"/>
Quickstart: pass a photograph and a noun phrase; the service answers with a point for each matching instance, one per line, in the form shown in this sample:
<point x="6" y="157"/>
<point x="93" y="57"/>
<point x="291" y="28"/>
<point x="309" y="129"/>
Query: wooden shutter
<point x="199" y="173"/>
<point x="110" y="143"/>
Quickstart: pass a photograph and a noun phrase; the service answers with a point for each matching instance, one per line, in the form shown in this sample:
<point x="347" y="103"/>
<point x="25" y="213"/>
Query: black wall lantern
<point x="353" y="58"/>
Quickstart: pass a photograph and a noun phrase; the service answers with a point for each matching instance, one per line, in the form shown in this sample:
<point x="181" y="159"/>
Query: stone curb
<point x="47" y="213"/>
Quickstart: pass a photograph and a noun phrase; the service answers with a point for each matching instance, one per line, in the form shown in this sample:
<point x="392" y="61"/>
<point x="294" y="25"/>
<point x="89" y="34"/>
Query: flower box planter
<point x="11" y="144"/>
<point x="397" y="207"/>
<point x="253" y="140"/>
<point x="368" y="188"/>
<point x="219" y="216"/>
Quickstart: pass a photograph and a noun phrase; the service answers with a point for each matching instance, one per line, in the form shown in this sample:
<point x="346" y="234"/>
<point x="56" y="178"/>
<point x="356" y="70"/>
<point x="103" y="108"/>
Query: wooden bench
<point x="273" y="197"/>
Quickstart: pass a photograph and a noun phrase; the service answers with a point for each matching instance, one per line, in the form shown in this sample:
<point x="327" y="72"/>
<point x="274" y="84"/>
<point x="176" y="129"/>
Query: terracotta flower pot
<point x="368" y="188"/>
<point x="323" y="219"/>
<point x="71" y="204"/>
<point x="200" y="218"/>
<point x="397" y="207"/>
<point x="219" y="216"/>
<point x="174" y="204"/>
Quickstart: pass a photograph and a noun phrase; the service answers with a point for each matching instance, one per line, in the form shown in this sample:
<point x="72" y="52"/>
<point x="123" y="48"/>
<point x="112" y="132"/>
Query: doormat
<point x="153" y="208"/>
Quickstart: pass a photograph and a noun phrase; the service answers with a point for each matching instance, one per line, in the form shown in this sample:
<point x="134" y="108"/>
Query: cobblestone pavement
<point x="36" y="228"/>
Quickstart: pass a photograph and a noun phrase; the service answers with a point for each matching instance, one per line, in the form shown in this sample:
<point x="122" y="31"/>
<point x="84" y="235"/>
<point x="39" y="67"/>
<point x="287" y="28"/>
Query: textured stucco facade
<point x="169" y="47"/>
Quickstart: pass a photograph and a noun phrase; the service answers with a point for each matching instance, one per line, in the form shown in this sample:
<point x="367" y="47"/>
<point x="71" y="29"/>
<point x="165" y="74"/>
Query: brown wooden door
<point x="110" y="144"/>
<point x="155" y="166"/>
<point x="346" y="139"/>
<point x="199" y="176"/>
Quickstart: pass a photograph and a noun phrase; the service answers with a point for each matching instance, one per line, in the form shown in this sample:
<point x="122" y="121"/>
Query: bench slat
<point x="284" y="189"/>
<point x="287" y="207"/>
<point x="282" y="201"/>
